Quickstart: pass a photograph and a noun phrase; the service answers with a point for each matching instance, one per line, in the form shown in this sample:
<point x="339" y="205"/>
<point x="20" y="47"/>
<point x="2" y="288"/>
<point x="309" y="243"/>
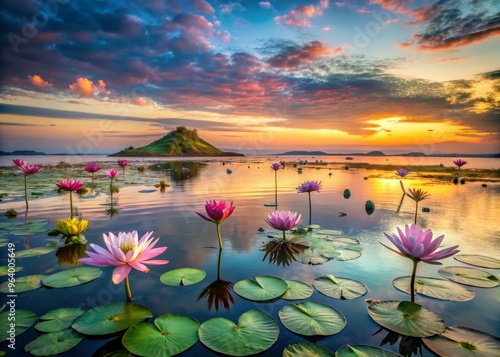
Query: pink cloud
<point x="84" y="87"/>
<point x="398" y="6"/>
<point x="454" y="59"/>
<point x="265" y="4"/>
<point x="37" y="81"/>
<point x="296" y="57"/>
<point x="299" y="16"/>
<point x="202" y="6"/>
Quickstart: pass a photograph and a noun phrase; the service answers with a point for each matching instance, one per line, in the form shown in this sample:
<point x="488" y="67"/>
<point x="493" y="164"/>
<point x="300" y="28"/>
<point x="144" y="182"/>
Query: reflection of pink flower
<point x="416" y="243"/>
<point x="309" y="186"/>
<point x="123" y="163"/>
<point x="112" y="173"/>
<point x="217" y="211"/>
<point x="30" y="169"/>
<point x="70" y="185"/>
<point x="125" y="252"/>
<point x="185" y="170"/>
<point x="18" y="162"/>
<point x="459" y="162"/>
<point x="276" y="166"/>
<point x="92" y="167"/>
<point x="403" y="172"/>
<point x="283" y="220"/>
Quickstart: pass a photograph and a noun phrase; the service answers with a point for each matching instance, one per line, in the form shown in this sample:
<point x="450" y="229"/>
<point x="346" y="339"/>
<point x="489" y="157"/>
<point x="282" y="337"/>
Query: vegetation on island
<point x="178" y="142"/>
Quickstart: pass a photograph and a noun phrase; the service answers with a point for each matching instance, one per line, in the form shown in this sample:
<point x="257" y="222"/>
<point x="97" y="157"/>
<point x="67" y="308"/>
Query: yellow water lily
<point x="72" y="226"/>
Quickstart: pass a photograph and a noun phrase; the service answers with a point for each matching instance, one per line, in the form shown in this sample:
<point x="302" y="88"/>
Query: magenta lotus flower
<point x="459" y="162"/>
<point x="70" y="185"/>
<point x="276" y="166"/>
<point x="112" y="173"/>
<point x="125" y="252"/>
<point x="403" y="172"/>
<point x="123" y="164"/>
<point x="217" y="212"/>
<point x="309" y="186"/>
<point x="92" y="167"/>
<point x="283" y="220"/>
<point x="417" y="244"/>
<point x="185" y="170"/>
<point x="26" y="170"/>
<point x="18" y="162"/>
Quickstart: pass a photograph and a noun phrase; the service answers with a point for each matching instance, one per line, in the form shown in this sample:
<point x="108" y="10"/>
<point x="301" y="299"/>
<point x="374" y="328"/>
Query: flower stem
<point x="276" y="188"/>
<point x="412" y="282"/>
<point x="218" y="235"/>
<point x="26" y="190"/>
<point x="284" y="236"/>
<point x="128" y="292"/>
<point x="416" y="211"/>
<point x="71" y="203"/>
<point x="310" y="210"/>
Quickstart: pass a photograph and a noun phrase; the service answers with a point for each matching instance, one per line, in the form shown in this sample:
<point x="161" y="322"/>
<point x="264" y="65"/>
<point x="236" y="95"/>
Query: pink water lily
<point x="30" y="169"/>
<point x="402" y="172"/>
<point x="459" y="162"/>
<point x="185" y="170"/>
<point x="19" y="162"/>
<point x="217" y="212"/>
<point x="125" y="251"/>
<point x="92" y="167"/>
<point x="276" y="166"/>
<point x="309" y="186"/>
<point x="123" y="163"/>
<point x="112" y="173"/>
<point x="26" y="170"/>
<point x="70" y="185"/>
<point x="283" y="220"/>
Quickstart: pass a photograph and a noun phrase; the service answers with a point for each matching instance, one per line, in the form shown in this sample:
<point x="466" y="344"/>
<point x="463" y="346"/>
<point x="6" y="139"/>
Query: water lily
<point x="309" y="186"/>
<point x="417" y="195"/>
<point x="283" y="220"/>
<point x="112" y="174"/>
<point x="459" y="163"/>
<point x="185" y="170"/>
<point x="417" y="244"/>
<point x="92" y="167"/>
<point x="70" y="185"/>
<point x="71" y="227"/>
<point x="403" y="172"/>
<point x="217" y="212"/>
<point x="125" y="251"/>
<point x="276" y="166"/>
<point x="123" y="164"/>
<point x="26" y="170"/>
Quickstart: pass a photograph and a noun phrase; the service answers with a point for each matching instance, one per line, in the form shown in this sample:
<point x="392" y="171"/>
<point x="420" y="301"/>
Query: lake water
<point x="466" y="214"/>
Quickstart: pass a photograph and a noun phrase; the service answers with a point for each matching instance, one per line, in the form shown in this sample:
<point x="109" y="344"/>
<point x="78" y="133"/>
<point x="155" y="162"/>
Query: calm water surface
<point x="466" y="214"/>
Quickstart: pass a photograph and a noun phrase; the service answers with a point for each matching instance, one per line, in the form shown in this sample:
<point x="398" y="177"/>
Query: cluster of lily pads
<point x="255" y="331"/>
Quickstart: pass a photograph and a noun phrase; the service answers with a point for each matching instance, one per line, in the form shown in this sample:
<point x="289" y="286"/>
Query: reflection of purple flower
<point x="276" y="166"/>
<point x="185" y="170"/>
<point x="403" y="172"/>
<point x="459" y="162"/>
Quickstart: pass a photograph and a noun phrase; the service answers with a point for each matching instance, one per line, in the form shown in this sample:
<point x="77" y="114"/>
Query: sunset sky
<point x="252" y="76"/>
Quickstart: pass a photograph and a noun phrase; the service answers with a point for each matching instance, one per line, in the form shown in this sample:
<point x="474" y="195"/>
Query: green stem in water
<point x="412" y="282"/>
<point x="26" y="190"/>
<point x="128" y="292"/>
<point x="71" y="203"/>
<point x="416" y="211"/>
<point x="218" y="235"/>
<point x="276" y="188"/>
<point x="310" y="210"/>
<point x="284" y="236"/>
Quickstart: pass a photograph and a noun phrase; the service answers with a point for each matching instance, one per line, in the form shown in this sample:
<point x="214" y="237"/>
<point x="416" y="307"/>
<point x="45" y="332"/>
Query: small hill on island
<point x="178" y="142"/>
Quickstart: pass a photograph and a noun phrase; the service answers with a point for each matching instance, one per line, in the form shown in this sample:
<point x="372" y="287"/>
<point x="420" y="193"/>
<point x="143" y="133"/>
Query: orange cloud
<point x="300" y="15"/>
<point x="86" y="88"/>
<point x="454" y="59"/>
<point x="37" y="81"/>
<point x="398" y="6"/>
<point x="404" y="45"/>
<point x="140" y="101"/>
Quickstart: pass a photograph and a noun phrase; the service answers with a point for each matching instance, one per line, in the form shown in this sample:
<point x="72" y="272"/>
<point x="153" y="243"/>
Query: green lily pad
<point x="348" y="254"/>
<point x="309" y="256"/>
<point x="343" y="242"/>
<point x="339" y="288"/>
<point x="22" y="284"/>
<point x="297" y="290"/>
<point x="479" y="260"/>
<point x="347" y="193"/>
<point x="369" y="207"/>
<point x="53" y="343"/>
<point x="182" y="276"/>
<point x="30" y="228"/>
<point x="6" y="224"/>
<point x="3" y="242"/>
<point x="4" y="269"/>
<point x="256" y="332"/>
<point x="458" y="341"/>
<point x="307" y="349"/>
<point x="262" y="288"/>
<point x="171" y="334"/>
<point x="313" y="226"/>
<point x="33" y="252"/>
<point x="72" y="277"/>
<point x="312" y="319"/>
<point x="363" y="351"/>
<point x="329" y="232"/>
<point x="469" y="276"/>
<point x="406" y="318"/>
<point x="58" y="319"/>
<point x="24" y="320"/>
<point x="436" y="288"/>
<point x="270" y="204"/>
<point x="111" y="318"/>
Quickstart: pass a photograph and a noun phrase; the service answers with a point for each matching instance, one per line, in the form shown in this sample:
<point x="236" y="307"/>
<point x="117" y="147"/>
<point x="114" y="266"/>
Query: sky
<point x="255" y="77"/>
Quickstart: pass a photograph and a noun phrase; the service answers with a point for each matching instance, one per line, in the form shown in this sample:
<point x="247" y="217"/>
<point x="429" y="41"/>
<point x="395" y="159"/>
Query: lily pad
<point x="262" y="288"/>
<point x="53" y="343"/>
<point x="369" y="207"/>
<point x="312" y="319"/>
<point x="256" y="332"/>
<point x="297" y="290"/>
<point x="72" y="277"/>
<point x="24" y="320"/>
<point x="313" y="226"/>
<point x="343" y="242"/>
<point x="58" y="319"/>
<point x="182" y="276"/>
<point x="25" y="229"/>
<point x="406" y="318"/>
<point x="270" y="204"/>
<point x="329" y="232"/>
<point x="479" y="260"/>
<point x="347" y="193"/>
<point x="308" y="349"/>
<point x="3" y="242"/>
<point x="348" y="254"/>
<point x="22" y="284"/>
<point x="33" y="252"/>
<point x="339" y="288"/>
<point x="171" y="334"/>
<point x="469" y="276"/>
<point x="436" y="288"/>
<point x="458" y="341"/>
<point x="363" y="351"/>
<point x="4" y="270"/>
<point x="111" y="318"/>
